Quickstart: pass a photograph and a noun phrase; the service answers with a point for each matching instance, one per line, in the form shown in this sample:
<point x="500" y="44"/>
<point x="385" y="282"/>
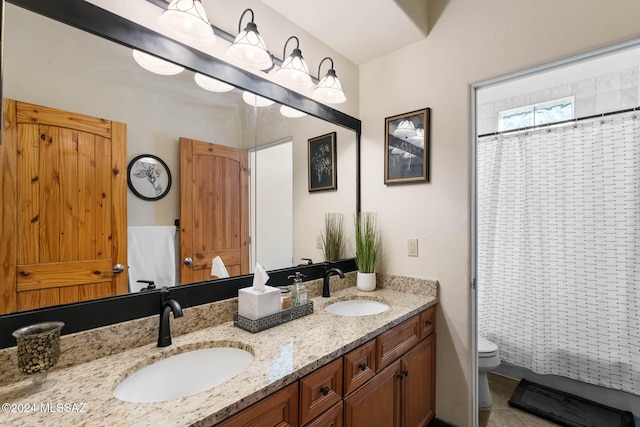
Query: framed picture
<point x="148" y="177"/>
<point x="407" y="141"/>
<point x="322" y="163"/>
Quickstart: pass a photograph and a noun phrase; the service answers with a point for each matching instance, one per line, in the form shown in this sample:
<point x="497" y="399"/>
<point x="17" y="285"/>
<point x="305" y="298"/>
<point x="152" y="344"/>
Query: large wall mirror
<point x="53" y="64"/>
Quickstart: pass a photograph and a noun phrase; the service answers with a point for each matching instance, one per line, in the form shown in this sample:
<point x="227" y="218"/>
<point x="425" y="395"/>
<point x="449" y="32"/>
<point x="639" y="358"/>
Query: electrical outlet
<point x="412" y="247"/>
<point x="318" y="241"/>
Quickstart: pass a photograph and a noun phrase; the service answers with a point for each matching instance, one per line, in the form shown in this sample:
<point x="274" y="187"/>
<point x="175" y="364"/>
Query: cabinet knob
<point x="363" y="367"/>
<point x="428" y="323"/>
<point x="405" y="373"/>
<point x="325" y="390"/>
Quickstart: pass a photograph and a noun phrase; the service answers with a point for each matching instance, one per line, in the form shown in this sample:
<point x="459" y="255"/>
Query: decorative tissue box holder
<point x="276" y="319"/>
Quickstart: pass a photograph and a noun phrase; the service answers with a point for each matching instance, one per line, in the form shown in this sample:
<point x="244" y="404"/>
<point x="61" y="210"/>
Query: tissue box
<point x="254" y="305"/>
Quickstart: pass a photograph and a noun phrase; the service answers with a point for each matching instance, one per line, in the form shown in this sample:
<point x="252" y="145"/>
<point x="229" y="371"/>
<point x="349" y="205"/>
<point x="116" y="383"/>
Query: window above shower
<point x="542" y="113"/>
<point x="594" y="86"/>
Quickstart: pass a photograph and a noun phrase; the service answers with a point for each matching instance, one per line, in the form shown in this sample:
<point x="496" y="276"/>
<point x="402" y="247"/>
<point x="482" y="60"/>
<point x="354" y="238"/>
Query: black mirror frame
<point x="93" y="314"/>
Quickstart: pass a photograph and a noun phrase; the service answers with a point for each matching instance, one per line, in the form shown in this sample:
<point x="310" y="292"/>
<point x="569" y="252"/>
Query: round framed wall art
<point x="148" y="177"/>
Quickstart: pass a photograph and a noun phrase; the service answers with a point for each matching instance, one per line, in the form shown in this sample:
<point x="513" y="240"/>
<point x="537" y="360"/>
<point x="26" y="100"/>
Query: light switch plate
<point x="412" y="247"/>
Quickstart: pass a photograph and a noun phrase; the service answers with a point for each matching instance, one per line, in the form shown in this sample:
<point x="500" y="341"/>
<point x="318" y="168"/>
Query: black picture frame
<point x="322" y="163"/>
<point x="149" y="177"/>
<point x="407" y="147"/>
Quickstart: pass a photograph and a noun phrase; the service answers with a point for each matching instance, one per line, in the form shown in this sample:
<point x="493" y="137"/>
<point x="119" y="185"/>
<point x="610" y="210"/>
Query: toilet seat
<point x="486" y="348"/>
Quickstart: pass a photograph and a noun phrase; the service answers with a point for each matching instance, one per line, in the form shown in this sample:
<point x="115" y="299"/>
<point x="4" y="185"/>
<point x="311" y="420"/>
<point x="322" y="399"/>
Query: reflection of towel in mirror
<point x="218" y="269"/>
<point x="152" y="256"/>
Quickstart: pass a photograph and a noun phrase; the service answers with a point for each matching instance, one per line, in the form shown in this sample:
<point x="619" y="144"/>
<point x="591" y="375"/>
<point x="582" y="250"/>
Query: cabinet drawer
<point x="320" y="390"/>
<point x="331" y="418"/>
<point x="427" y="322"/>
<point x="279" y="409"/>
<point x="359" y="366"/>
<point x="397" y="341"/>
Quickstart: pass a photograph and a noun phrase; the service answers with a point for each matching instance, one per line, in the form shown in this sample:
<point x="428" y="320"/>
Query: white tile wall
<point x="601" y="94"/>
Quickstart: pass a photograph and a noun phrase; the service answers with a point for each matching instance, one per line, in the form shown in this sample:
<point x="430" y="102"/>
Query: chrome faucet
<point x="325" y="283"/>
<point x="167" y="305"/>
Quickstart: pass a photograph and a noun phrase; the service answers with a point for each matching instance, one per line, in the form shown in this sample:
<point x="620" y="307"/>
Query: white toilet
<point x="488" y="360"/>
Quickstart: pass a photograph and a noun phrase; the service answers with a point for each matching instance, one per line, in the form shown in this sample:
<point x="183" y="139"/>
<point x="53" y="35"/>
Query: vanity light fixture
<point x="255" y="100"/>
<point x="249" y="48"/>
<point x="294" y="72"/>
<point x="186" y="20"/>
<point x="292" y="113"/>
<point x="329" y="90"/>
<point x="211" y="84"/>
<point x="405" y="129"/>
<point x="155" y="64"/>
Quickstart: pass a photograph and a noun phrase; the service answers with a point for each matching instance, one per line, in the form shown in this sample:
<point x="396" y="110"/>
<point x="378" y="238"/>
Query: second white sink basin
<point x="357" y="307"/>
<point x="183" y="375"/>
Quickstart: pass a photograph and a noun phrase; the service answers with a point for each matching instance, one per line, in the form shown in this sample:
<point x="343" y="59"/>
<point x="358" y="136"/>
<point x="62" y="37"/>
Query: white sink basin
<point x="183" y="375"/>
<point x="357" y="307"/>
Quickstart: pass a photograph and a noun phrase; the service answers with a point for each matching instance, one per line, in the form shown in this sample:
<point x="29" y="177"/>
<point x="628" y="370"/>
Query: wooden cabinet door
<point x="64" y="215"/>
<point x="277" y="410"/>
<point x="320" y="390"/>
<point x="418" y="384"/>
<point x="214" y="218"/>
<point x="330" y="418"/>
<point x="377" y="403"/>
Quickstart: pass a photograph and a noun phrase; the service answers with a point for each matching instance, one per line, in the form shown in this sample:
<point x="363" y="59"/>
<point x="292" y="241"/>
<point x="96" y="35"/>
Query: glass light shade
<point x="250" y="49"/>
<point x="292" y="113"/>
<point x="187" y="21"/>
<point x="405" y="129"/>
<point x="255" y="100"/>
<point x="211" y="84"/>
<point x="329" y="90"/>
<point x="155" y="64"/>
<point x="294" y="72"/>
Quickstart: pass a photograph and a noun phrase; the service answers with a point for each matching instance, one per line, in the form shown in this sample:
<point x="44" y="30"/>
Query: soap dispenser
<point x="298" y="289"/>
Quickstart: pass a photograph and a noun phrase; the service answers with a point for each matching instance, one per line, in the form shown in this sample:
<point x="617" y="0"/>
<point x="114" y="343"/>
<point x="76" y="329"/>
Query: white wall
<point x="470" y="42"/>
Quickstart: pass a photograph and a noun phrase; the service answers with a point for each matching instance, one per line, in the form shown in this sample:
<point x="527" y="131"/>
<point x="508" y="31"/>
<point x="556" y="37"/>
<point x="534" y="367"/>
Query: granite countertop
<point x="83" y="394"/>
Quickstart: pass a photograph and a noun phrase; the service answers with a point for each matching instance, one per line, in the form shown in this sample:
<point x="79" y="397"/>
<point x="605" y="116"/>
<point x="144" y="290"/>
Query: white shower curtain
<point x="559" y="249"/>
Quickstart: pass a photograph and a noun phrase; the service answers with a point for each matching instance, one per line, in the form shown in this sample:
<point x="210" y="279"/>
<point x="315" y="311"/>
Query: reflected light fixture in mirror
<point x="294" y="72"/>
<point x="255" y="100"/>
<point x="248" y="48"/>
<point x="211" y="84"/>
<point x="292" y="113"/>
<point x="329" y="90"/>
<point x="155" y="64"/>
<point x="186" y="20"/>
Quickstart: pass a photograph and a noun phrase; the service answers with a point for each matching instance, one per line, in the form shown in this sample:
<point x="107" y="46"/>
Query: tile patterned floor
<point x="501" y="414"/>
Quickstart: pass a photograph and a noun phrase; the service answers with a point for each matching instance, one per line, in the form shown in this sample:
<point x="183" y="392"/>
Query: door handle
<point x="118" y="268"/>
<point x="188" y="261"/>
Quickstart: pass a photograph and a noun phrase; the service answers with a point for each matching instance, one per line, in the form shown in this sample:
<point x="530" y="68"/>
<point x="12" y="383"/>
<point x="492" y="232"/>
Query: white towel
<point x="152" y="256"/>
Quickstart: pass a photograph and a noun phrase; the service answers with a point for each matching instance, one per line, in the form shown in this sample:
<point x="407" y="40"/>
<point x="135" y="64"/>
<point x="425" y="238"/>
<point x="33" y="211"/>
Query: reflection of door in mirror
<point x="213" y="209"/>
<point x="64" y="212"/>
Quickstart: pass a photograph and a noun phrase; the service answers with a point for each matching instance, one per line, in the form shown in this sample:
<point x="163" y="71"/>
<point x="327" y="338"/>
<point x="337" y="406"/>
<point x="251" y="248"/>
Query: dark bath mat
<point x="566" y="409"/>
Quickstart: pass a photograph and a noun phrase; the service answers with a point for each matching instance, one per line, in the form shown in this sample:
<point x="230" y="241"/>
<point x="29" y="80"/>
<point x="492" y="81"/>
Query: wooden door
<point x="64" y="211"/>
<point x="214" y="218"/>
<point x="418" y="384"/>
<point x="377" y="403"/>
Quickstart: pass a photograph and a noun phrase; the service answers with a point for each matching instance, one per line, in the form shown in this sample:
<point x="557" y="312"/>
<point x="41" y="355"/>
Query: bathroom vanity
<point x="314" y="371"/>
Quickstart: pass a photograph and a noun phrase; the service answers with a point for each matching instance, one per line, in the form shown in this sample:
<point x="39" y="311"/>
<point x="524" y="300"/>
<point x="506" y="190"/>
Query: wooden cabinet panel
<point x="359" y="366"/>
<point x="377" y="404"/>
<point x="331" y="418"/>
<point x="277" y="410"/>
<point x="418" y="384"/>
<point x="391" y="345"/>
<point x="320" y="390"/>
<point x="427" y="322"/>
